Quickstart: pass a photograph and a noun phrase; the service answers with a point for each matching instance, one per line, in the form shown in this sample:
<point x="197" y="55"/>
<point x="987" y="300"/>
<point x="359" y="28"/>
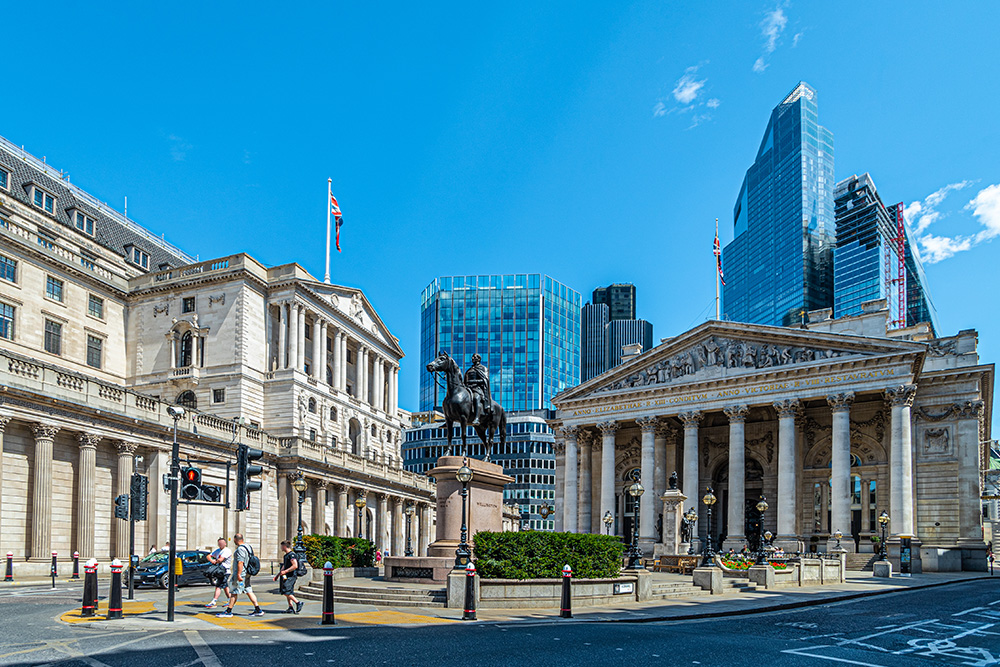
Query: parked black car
<point x="152" y="569"/>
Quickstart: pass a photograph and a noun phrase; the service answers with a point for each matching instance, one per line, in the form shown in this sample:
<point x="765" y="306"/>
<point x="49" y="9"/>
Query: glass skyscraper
<point x="779" y="263"/>
<point x="594" y="342"/>
<point x="526" y="328"/>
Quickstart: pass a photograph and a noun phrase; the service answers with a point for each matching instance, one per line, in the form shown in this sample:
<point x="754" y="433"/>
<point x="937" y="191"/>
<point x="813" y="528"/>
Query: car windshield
<point x="155" y="558"/>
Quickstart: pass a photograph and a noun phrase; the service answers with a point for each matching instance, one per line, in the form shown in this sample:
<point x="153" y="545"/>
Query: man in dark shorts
<point x="287" y="576"/>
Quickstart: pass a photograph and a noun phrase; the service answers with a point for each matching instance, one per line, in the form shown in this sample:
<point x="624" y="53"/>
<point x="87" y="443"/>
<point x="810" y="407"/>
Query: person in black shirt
<point x="287" y="576"/>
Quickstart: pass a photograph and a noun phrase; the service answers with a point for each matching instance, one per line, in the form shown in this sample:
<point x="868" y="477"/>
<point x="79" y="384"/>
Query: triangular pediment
<point x="724" y="350"/>
<point x="355" y="305"/>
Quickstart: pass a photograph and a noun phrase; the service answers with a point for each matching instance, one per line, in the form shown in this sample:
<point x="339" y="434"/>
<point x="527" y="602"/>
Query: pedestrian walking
<point x="245" y="565"/>
<point x="222" y="561"/>
<point x="166" y="547"/>
<point x="287" y="577"/>
<point x="152" y="550"/>
<point x="378" y="557"/>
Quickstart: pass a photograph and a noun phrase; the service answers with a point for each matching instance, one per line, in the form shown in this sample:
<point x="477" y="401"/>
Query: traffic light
<point x="245" y="470"/>
<point x="140" y="496"/>
<point x="121" y="507"/>
<point x="191" y="483"/>
<point x="211" y="494"/>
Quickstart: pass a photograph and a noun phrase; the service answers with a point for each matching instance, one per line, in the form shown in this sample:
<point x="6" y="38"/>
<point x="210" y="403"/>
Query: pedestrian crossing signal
<point x="121" y="507"/>
<point x="190" y="483"/>
<point x="245" y="471"/>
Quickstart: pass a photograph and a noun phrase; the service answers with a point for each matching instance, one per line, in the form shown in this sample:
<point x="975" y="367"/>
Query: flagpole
<point x="717" y="317"/>
<point x="329" y="195"/>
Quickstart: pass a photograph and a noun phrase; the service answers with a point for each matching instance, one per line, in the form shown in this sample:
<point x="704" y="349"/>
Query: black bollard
<point x="89" y="588"/>
<point x="115" y="600"/>
<point x="55" y="568"/>
<point x="566" y="609"/>
<point x="469" y="614"/>
<point x="76" y="565"/>
<point x="328" y="616"/>
<point x="9" y="576"/>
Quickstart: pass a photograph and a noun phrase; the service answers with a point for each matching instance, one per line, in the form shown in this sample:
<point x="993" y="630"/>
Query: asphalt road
<point x="949" y="625"/>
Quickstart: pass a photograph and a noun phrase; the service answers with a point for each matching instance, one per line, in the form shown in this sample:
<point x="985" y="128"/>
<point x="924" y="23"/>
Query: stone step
<point x="860" y="562"/>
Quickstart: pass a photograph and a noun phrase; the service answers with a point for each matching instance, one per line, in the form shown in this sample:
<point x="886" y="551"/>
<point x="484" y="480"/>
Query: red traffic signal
<point x="190" y="483"/>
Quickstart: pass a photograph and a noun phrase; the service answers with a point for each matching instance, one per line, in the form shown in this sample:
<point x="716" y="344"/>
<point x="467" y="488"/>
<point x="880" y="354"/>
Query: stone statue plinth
<point x="485" y="502"/>
<point x="673" y="512"/>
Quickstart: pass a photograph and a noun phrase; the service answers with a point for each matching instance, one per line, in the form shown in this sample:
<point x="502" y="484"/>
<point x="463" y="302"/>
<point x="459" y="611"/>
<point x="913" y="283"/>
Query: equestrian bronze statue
<point x="468" y="401"/>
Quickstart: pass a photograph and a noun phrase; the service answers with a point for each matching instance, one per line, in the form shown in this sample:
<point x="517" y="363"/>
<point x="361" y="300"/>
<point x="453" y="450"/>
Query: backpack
<point x="253" y="563"/>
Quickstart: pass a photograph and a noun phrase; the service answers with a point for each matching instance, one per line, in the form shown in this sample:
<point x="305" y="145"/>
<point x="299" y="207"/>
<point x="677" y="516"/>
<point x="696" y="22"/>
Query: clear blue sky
<point x="593" y="141"/>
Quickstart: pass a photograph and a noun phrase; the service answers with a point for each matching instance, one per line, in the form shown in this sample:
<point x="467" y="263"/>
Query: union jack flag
<point x="338" y="216"/>
<point x="717" y="251"/>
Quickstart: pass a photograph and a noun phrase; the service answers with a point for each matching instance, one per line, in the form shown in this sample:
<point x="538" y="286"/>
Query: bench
<point x="678" y="564"/>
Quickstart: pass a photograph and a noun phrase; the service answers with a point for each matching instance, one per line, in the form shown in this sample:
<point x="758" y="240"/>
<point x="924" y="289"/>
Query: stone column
<point x="4" y="420"/>
<point x="126" y="459"/>
<point x="970" y="518"/>
<point x="660" y="472"/>
<point x="425" y="529"/>
<point x="398" y="528"/>
<point x="647" y="505"/>
<point x="690" y="482"/>
<point x="596" y="525"/>
<point x="394" y="393"/>
<point x="585" y="500"/>
<point x="360" y="376"/>
<point x="559" y="450"/>
<point x="840" y="468"/>
<point x="378" y="395"/>
<point x="341" y="512"/>
<point x="41" y="496"/>
<point x="901" y="460"/>
<point x="737" y="477"/>
<point x="86" y="492"/>
<point x="343" y="361"/>
<point x="319" y="508"/>
<point x="293" y="335"/>
<point x="336" y="361"/>
<point x="608" y="430"/>
<point x="383" y="515"/>
<point x="318" y="371"/>
<point x="300" y="349"/>
<point x="570" y="500"/>
<point x="282" y="336"/>
<point x="788" y="486"/>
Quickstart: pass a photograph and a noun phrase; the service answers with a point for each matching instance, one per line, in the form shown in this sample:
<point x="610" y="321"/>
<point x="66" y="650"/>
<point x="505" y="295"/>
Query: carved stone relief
<point x="937" y="442"/>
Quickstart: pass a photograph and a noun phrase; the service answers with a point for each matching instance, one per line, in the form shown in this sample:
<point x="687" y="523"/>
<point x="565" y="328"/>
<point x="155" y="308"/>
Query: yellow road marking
<point x="129" y="608"/>
<point x="389" y="617"/>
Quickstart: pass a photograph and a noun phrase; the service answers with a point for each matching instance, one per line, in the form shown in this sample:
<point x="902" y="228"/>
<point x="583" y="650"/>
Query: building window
<point x="312" y="434"/>
<point x="44" y="200"/>
<point x="53" y="337"/>
<point x="137" y="256"/>
<point x="333" y="414"/>
<point x="84" y="223"/>
<point x="218" y="395"/>
<point x="95" y="306"/>
<point x="4" y="179"/>
<point x="350" y="357"/>
<point x="8" y="269"/>
<point x="95" y="351"/>
<point x="186" y="351"/>
<point x="312" y="406"/>
<point x="54" y="288"/>
<point x="187" y="399"/>
<point x="6" y="321"/>
<point x="187" y="304"/>
<point x="374" y="431"/>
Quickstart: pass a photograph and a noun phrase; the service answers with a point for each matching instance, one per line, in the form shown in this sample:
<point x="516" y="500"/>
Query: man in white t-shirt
<point x="223" y="555"/>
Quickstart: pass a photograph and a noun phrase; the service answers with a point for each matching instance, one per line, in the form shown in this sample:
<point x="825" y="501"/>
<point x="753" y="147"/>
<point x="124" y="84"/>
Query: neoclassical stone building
<point x="832" y="423"/>
<point x="103" y="325"/>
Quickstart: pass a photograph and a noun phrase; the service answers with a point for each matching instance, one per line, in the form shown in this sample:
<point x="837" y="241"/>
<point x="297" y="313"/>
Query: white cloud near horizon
<point x="934" y="248"/>
<point x="770" y="29"/>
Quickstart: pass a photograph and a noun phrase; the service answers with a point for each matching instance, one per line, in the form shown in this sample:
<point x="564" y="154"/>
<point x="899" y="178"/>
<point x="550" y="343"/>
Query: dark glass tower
<point x="619" y="298"/>
<point x="593" y="341"/>
<point x="779" y="263"/>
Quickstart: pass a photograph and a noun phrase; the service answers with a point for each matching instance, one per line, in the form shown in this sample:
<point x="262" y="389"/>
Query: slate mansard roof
<point x="111" y="229"/>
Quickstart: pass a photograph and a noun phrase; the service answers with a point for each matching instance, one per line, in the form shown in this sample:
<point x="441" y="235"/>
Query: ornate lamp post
<point x="360" y="504"/>
<point x="837" y="536"/>
<point x="300" y="485"/>
<point x="462" y="555"/>
<point x="761" y="555"/>
<point x="608" y="520"/>
<point x="634" y="555"/>
<point x="883" y="520"/>
<point x="767" y="541"/>
<point x="709" y="500"/>
<point x="410" y="510"/>
<point x="691" y="517"/>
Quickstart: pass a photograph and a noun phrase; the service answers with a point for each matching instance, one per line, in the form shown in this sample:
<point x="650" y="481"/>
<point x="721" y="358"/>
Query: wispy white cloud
<point x="688" y="97"/>
<point x="922" y="214"/>
<point x="934" y="249"/>
<point x="770" y="29"/>
<point x="659" y="110"/>
<point x="797" y="39"/>
<point x="179" y="147"/>
<point x="688" y="86"/>
<point x="984" y="207"/>
<point x="713" y="103"/>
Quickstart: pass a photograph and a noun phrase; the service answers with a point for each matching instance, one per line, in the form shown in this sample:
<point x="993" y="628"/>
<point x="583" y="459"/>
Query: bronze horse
<point x="459" y="406"/>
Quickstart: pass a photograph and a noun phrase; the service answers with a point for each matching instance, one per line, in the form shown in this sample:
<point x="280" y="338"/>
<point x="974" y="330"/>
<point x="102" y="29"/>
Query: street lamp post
<point x="709" y="500"/>
<point x="767" y="541"/>
<point x="175" y="412"/>
<point x="883" y="520"/>
<point x="761" y="508"/>
<point x="410" y="510"/>
<point x="300" y="485"/>
<point x="634" y="555"/>
<point x="837" y="536"/>
<point x="608" y="520"/>
<point x="691" y="517"/>
<point x="462" y="555"/>
<point x="360" y="504"/>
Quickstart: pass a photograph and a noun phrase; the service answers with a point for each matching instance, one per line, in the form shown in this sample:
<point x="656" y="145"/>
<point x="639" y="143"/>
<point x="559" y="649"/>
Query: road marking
<point x="968" y="611"/>
<point x="207" y="655"/>
<point x="803" y="653"/>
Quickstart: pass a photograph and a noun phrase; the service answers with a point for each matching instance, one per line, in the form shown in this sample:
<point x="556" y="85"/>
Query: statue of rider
<point x="477" y="379"/>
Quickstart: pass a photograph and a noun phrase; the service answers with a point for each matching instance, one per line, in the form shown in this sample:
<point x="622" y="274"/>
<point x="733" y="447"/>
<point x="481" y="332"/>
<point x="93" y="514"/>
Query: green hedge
<point x="340" y="551"/>
<point x="539" y="555"/>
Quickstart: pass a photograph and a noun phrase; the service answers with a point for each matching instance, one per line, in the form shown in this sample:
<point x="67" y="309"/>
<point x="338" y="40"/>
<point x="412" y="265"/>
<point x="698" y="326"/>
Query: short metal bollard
<point x="566" y="608"/>
<point x="76" y="565"/>
<point x="115" y="600"/>
<point x="89" y="607"/>
<point x="328" y="616"/>
<point x="54" y="571"/>
<point x="469" y="613"/>
<point x="9" y="575"/>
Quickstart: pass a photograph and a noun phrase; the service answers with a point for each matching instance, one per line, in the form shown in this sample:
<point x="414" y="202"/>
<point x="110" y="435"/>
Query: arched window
<point x="329" y="374"/>
<point x="187" y="399"/>
<point x="186" y="351"/>
<point x="374" y="431"/>
<point x="312" y="405"/>
<point x="333" y="414"/>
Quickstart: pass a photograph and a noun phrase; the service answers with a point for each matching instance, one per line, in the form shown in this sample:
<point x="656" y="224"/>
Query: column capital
<point x="585" y="438"/>
<point x="44" y="431"/>
<point x="665" y="430"/>
<point x="692" y="418"/>
<point x="736" y="413"/>
<point x="648" y="424"/>
<point x="88" y="440"/>
<point x="4" y="420"/>
<point x="790" y="407"/>
<point x="569" y="431"/>
<point x="559" y="447"/>
<point x="126" y="448"/>
<point x="321" y="484"/>
<point x="901" y="395"/>
<point x="841" y="402"/>
<point x="609" y="427"/>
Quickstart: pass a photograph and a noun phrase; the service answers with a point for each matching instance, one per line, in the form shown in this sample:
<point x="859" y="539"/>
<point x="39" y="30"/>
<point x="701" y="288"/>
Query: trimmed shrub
<point x="340" y="551"/>
<point x="538" y="555"/>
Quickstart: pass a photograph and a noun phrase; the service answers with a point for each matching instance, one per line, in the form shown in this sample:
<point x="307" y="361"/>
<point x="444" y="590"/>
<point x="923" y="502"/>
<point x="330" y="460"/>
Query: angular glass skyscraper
<point x="593" y="340"/>
<point x="779" y="263"/>
<point x="526" y="328"/>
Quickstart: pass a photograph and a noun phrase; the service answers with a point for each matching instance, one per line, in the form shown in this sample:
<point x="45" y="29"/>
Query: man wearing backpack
<point x="246" y="564"/>
<point x="289" y="573"/>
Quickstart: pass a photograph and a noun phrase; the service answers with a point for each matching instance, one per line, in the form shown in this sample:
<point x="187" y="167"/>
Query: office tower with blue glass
<point x="779" y="263"/>
<point x="593" y="340"/>
<point x="526" y="328"/>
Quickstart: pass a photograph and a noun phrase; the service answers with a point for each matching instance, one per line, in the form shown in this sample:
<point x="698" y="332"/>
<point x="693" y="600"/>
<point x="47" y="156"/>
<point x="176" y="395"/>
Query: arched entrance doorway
<point x="753" y="488"/>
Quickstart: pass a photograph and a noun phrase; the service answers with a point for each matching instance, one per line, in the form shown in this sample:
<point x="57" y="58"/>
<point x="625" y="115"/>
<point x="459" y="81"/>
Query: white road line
<point x="803" y="653"/>
<point x="968" y="611"/>
<point x="207" y="655"/>
<point x="993" y="603"/>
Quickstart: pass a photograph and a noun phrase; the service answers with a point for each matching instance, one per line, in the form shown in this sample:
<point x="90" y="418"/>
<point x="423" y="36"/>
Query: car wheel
<point x="164" y="580"/>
